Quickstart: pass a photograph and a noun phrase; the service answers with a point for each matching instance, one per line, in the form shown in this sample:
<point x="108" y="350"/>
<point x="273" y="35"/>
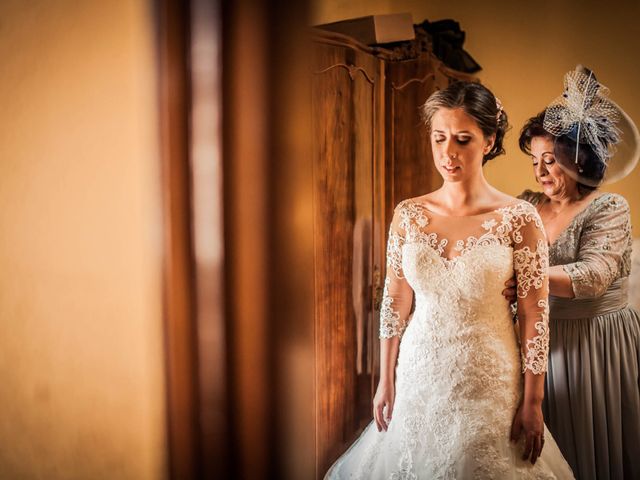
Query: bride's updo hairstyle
<point x="479" y="103"/>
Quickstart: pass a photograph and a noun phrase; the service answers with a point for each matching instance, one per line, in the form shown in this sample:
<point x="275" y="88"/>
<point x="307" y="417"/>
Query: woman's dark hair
<point x="478" y="102"/>
<point x="564" y="147"/>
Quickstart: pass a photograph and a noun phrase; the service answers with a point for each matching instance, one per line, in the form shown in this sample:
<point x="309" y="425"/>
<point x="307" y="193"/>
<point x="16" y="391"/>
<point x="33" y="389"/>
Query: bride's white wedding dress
<point x="459" y="377"/>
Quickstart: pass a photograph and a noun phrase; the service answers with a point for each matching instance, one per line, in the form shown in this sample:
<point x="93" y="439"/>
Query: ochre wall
<point x="81" y="369"/>
<point x="525" y="48"/>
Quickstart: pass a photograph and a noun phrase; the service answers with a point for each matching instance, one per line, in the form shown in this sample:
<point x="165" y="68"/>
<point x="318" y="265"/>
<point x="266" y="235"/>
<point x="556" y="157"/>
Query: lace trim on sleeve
<point x="515" y="217"/>
<point x="579" y="285"/>
<point x="537" y="348"/>
<point x="531" y="266"/>
<point x="390" y="323"/>
<point x="394" y="253"/>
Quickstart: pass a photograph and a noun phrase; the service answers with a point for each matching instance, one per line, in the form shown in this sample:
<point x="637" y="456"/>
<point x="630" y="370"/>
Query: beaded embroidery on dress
<point x="460" y="363"/>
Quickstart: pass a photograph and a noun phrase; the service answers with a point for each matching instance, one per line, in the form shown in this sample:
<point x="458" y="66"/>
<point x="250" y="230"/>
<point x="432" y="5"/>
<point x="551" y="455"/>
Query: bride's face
<point x="458" y="144"/>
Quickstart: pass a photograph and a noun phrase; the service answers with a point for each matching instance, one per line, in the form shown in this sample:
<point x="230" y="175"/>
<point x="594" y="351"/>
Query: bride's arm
<point x="531" y="265"/>
<point x="559" y="284"/>
<point x="394" y="314"/>
<point x="389" y="348"/>
<point x="385" y="393"/>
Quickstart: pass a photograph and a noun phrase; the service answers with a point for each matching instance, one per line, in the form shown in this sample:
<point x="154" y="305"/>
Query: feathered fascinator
<point x="604" y="141"/>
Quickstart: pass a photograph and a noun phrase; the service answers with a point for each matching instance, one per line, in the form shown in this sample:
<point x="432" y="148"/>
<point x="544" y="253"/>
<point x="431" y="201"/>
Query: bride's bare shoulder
<point x="424" y="200"/>
<point x="412" y="202"/>
<point x="504" y="199"/>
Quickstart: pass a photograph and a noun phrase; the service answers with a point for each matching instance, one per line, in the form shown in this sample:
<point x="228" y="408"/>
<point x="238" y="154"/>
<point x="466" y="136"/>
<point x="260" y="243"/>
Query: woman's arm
<point x="385" y="393"/>
<point x="389" y="348"/>
<point x="603" y="242"/>
<point x="605" y="237"/>
<point x="531" y="265"/>
<point x="559" y="285"/>
<point x="509" y="291"/>
<point x="394" y="315"/>
<point x="559" y="282"/>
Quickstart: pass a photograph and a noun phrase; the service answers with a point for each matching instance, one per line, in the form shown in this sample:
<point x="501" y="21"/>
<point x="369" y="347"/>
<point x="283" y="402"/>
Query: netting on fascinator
<point x="595" y="140"/>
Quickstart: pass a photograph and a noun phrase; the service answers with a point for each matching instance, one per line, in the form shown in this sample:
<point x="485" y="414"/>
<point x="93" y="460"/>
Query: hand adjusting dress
<point x="459" y="377"/>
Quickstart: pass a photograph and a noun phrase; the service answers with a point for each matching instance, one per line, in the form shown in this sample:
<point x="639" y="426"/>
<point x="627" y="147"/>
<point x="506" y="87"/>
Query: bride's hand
<point x="511" y="289"/>
<point x="385" y="396"/>
<point x="528" y="421"/>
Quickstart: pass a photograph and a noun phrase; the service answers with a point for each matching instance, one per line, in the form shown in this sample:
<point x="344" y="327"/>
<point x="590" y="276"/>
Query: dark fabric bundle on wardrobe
<point x="448" y="40"/>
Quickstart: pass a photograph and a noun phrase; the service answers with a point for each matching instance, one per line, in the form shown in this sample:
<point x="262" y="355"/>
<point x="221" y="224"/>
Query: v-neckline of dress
<point x="481" y="214"/>
<point x="437" y="243"/>
<point x="574" y="220"/>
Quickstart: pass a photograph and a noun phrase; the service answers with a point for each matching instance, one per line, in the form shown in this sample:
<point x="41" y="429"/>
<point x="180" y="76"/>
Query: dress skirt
<point x="592" y="392"/>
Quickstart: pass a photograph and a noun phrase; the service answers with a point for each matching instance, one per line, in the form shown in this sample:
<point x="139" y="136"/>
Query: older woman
<point x="592" y="394"/>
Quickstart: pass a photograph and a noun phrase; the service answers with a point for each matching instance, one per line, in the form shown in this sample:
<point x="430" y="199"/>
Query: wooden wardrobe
<point x="371" y="151"/>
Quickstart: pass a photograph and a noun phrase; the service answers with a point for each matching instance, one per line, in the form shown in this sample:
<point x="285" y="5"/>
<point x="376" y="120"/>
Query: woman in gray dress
<point x="592" y="392"/>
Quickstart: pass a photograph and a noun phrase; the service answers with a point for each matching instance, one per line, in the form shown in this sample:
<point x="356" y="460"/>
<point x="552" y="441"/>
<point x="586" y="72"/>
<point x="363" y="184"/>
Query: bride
<point x="461" y="387"/>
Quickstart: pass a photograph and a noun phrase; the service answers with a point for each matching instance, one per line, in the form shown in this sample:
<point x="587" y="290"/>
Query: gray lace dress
<point x="592" y="389"/>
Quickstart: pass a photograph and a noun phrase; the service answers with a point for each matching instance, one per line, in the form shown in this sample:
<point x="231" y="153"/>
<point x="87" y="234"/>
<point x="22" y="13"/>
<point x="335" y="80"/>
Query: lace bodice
<point x="451" y="263"/>
<point x="459" y="374"/>
<point x="595" y="248"/>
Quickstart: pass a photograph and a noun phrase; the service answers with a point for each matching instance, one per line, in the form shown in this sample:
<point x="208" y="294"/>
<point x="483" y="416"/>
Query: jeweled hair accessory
<point x="499" y="107"/>
<point x="586" y="115"/>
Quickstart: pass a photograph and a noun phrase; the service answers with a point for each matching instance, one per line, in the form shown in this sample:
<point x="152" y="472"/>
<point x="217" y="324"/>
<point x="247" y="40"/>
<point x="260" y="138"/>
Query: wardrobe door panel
<point x="345" y="131"/>
<point x="408" y="155"/>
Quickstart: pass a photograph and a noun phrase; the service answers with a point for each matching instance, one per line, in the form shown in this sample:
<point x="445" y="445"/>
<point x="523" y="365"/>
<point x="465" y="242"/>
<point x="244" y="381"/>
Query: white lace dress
<point x="459" y="377"/>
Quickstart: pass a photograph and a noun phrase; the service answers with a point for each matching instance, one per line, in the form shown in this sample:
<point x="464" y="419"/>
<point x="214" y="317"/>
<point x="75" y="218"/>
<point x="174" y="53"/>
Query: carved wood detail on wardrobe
<point x="370" y="152"/>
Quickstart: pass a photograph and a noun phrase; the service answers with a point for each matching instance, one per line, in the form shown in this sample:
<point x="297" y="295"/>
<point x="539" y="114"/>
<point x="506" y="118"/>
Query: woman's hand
<point x="384" y="398"/>
<point x="510" y="292"/>
<point x="528" y="421"/>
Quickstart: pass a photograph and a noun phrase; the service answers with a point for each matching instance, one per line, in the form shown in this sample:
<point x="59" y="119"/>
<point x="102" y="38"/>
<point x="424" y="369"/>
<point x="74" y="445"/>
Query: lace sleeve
<point x="398" y="295"/>
<point x="604" y="240"/>
<point x="531" y="265"/>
